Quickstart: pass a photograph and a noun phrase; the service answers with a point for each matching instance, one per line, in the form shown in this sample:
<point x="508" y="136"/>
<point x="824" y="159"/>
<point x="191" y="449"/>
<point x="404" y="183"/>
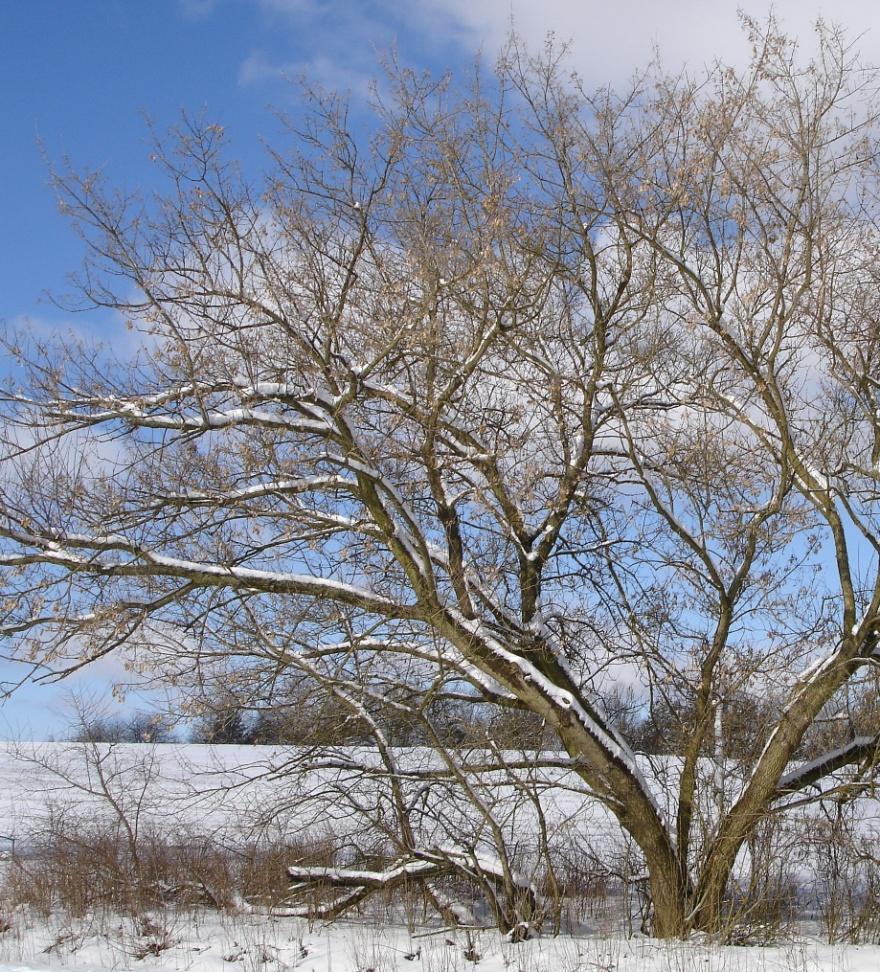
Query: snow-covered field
<point x="209" y="788"/>
<point x="228" y="792"/>
<point x="249" y="944"/>
<point x="225" y="791"/>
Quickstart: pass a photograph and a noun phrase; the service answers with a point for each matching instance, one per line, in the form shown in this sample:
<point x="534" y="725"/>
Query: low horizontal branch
<point x="858" y="749"/>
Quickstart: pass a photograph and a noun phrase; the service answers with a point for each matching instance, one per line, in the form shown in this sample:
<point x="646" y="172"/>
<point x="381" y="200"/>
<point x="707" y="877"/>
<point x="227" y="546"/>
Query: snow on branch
<point x="62" y="552"/>
<point x="353" y="885"/>
<point x="859" y="749"/>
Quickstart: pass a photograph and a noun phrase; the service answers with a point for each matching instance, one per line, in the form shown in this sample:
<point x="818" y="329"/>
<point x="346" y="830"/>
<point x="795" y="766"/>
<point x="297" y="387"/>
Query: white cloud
<point x="257" y="68"/>
<point x="197" y="8"/>
<point x="323" y="71"/>
<point x="612" y="40"/>
<point x="288" y="7"/>
<point x="110" y="331"/>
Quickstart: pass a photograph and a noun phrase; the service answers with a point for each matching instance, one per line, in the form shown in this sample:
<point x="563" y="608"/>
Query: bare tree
<point x="94" y="780"/>
<point x="527" y="387"/>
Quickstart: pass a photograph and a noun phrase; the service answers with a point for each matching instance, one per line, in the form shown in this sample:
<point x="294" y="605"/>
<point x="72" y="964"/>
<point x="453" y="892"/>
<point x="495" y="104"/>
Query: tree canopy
<point x="526" y="392"/>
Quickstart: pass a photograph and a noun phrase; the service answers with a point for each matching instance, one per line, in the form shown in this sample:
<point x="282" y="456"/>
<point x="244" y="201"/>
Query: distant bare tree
<point x="530" y="387"/>
<point x="135" y="727"/>
<point x="93" y="780"/>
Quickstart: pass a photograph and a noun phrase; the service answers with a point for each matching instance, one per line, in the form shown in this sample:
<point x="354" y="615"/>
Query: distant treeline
<point x="311" y="721"/>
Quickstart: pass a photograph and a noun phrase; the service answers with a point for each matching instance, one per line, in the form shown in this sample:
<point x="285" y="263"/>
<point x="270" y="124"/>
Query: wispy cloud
<point x="108" y="331"/>
<point x="291" y="8"/>
<point x="257" y="68"/>
<point x="336" y="43"/>
<point x="322" y="71"/>
<point x="197" y="9"/>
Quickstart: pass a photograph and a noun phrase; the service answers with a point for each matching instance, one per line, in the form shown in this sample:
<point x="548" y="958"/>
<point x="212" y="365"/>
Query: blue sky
<point x="77" y="77"/>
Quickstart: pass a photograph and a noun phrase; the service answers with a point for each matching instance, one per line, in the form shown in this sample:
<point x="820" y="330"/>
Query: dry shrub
<point x="262" y="867"/>
<point x="584" y="889"/>
<point x="77" y="870"/>
<point x="71" y="869"/>
<point x="846" y="884"/>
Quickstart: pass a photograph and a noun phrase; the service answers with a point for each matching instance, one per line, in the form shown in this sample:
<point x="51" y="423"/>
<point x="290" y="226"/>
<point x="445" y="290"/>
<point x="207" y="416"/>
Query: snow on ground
<point x="190" y="785"/>
<point x="251" y="943"/>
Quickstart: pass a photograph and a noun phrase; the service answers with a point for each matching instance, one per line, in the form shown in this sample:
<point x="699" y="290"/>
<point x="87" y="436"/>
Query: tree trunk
<point x="670" y="908"/>
<point x="670" y="895"/>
